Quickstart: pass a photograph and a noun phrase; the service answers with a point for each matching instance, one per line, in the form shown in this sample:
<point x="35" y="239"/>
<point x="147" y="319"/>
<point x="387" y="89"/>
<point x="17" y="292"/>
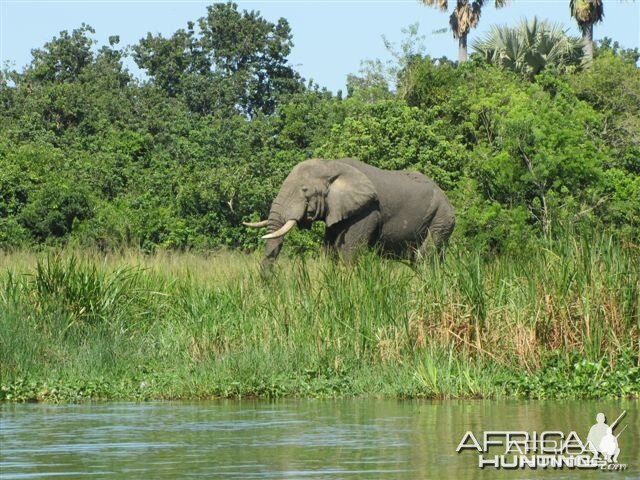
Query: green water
<point x="307" y="439"/>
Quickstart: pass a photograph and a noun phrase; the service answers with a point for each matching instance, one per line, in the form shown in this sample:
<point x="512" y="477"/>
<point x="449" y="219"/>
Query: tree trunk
<point x="462" y="48"/>
<point x="587" y="40"/>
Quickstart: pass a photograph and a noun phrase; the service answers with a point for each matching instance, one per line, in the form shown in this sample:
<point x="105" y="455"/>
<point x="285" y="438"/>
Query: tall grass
<point x="182" y="325"/>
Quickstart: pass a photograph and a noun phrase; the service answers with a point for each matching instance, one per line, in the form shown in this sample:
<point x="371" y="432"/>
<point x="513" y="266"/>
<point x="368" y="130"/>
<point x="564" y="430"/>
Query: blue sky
<point x="331" y="37"/>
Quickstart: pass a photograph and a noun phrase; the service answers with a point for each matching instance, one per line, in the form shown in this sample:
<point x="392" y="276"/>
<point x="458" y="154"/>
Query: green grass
<point x="560" y="321"/>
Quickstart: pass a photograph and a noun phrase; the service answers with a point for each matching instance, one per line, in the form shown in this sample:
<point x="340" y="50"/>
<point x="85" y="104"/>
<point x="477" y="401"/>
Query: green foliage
<point x="394" y="136"/>
<point x="427" y="83"/>
<point x="63" y="59"/>
<point x="571" y="376"/>
<point x="53" y="211"/>
<point x="537" y="154"/>
<point x="612" y="87"/>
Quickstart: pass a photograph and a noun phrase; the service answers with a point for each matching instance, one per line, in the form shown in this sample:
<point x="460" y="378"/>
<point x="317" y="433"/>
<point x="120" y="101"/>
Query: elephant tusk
<point x="282" y="231"/>
<point x="260" y="224"/>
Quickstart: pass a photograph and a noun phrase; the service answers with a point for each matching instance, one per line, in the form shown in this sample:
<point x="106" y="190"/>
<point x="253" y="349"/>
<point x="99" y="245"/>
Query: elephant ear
<point x="349" y="192"/>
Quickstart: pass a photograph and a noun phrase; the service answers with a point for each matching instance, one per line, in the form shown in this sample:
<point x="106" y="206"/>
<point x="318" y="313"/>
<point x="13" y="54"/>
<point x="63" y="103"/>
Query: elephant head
<point x="315" y="190"/>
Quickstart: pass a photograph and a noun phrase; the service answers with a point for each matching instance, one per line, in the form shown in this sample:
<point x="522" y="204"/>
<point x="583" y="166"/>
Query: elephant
<point x="362" y="206"/>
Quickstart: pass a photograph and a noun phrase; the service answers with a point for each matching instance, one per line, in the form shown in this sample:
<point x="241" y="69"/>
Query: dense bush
<point x="91" y="155"/>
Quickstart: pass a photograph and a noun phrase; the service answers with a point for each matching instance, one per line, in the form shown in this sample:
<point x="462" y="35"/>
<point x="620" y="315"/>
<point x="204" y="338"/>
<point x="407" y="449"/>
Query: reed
<point x="182" y="325"/>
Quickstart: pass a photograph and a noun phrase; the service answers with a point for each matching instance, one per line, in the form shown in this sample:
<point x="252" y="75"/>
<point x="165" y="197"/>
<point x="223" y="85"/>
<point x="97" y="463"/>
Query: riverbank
<point x="558" y="322"/>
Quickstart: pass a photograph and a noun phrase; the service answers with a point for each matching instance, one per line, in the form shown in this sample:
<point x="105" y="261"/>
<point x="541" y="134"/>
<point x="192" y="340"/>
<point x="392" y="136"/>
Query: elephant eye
<point x="305" y="189"/>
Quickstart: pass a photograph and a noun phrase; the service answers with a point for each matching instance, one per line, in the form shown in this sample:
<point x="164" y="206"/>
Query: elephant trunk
<point x="287" y="210"/>
<point x="273" y="243"/>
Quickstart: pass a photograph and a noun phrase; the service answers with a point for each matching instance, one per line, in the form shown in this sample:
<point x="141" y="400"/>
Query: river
<point x="306" y="439"/>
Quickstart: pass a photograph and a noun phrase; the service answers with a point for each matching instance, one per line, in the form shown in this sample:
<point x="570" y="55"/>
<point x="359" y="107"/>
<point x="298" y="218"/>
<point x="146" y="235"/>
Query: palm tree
<point x="587" y="13"/>
<point x="465" y="16"/>
<point x="530" y="46"/>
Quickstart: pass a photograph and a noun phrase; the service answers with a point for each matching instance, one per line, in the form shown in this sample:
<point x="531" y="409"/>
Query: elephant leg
<point x="438" y="236"/>
<point x="441" y="238"/>
<point x="354" y="233"/>
<point x="330" y="238"/>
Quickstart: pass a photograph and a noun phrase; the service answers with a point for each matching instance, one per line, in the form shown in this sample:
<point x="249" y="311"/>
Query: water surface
<point x="307" y="439"/>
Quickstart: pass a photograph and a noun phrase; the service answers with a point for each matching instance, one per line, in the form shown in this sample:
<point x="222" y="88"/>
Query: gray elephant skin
<point x="362" y="206"/>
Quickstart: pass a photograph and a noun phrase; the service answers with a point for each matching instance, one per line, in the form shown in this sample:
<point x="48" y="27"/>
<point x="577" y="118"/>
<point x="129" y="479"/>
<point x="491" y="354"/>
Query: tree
<point x="465" y="16"/>
<point x="235" y="62"/>
<point x="587" y="13"/>
<point x="530" y="47"/>
<point x="70" y="87"/>
<point x="377" y="80"/>
<point x="63" y="59"/>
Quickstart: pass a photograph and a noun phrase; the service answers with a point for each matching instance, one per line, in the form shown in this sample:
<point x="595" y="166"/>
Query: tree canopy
<point x="233" y="62"/>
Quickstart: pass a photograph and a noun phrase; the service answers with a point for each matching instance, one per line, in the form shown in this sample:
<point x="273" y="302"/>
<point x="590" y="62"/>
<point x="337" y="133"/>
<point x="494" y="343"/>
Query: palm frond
<point x="586" y="12"/>
<point x="439" y="4"/>
<point x="530" y="46"/>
